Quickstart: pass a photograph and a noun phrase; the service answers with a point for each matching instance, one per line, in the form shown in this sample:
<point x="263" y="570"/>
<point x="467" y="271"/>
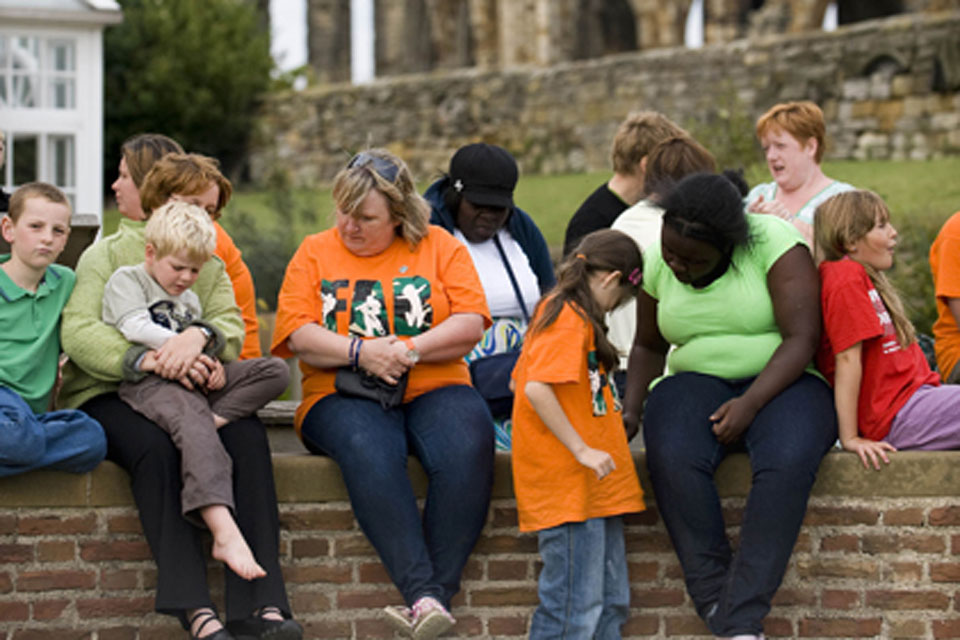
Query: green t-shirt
<point x="727" y="329"/>
<point x="30" y="333"/>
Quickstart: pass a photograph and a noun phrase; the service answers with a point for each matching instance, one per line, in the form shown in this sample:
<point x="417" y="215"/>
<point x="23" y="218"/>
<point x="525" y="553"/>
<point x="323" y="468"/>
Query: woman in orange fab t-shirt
<point x="572" y="470"/>
<point x="386" y="296"/>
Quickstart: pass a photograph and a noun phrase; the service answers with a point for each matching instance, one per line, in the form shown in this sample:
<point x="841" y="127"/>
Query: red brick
<point x="907" y="629"/>
<point x="54" y="580"/>
<point x="842" y="567"/>
<point x="504" y="517"/>
<point x="15" y="553"/>
<point x="8" y="524"/>
<point x="643" y="571"/>
<point x="309" y="602"/>
<point x="944" y="517"/>
<point x="787" y="597"/>
<point x="907" y="600"/>
<point x="838" y="599"/>
<point x="522" y="543"/>
<point x="373" y="628"/>
<point x="368" y="599"/>
<point x="840" y="627"/>
<point x="52" y="525"/>
<point x="945" y="571"/>
<point x="56" y="551"/>
<point x="778" y="628"/>
<point x="6" y="583"/>
<point x="910" y="517"/>
<point x="117" y="633"/>
<point x="118" y="579"/>
<point x="52" y="634"/>
<point x="896" y="543"/>
<point x="902" y="572"/>
<point x="467" y="626"/>
<point x="733" y="516"/>
<point x="641" y="625"/>
<point x="946" y="628"/>
<point x="689" y="625"/>
<point x="318" y="520"/>
<point x="374" y="572"/>
<point x="503" y="596"/>
<point x="114" y="607"/>
<point x="840" y="516"/>
<point x="849" y="543"/>
<point x="352" y="545"/>
<point x="515" y="626"/>
<point x="49" y="609"/>
<point x="473" y="570"/>
<point x="115" y="550"/>
<point x="508" y="570"/>
<point x="649" y="598"/>
<point x="14" y="611"/>
<point x="804" y="543"/>
<point x="311" y="574"/>
<point x="673" y="571"/>
<point x="310" y="548"/>
<point x="648" y="542"/>
<point x="125" y="523"/>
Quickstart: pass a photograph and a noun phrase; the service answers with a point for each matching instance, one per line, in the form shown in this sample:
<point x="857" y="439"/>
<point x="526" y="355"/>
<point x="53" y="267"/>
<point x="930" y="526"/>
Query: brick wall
<point x="878" y="557"/>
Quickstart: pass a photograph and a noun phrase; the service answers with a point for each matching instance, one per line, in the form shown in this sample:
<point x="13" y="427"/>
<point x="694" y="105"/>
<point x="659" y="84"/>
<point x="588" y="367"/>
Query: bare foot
<point x="229" y="546"/>
<point x="219" y="421"/>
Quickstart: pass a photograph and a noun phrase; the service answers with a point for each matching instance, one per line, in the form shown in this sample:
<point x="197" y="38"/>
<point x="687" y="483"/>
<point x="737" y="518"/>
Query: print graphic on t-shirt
<point x="617" y="402"/>
<point x="412" y="312"/>
<point x="170" y="315"/>
<point x="597" y="382"/>
<point x="368" y="317"/>
<point x="890" y="342"/>
<point x="331" y="304"/>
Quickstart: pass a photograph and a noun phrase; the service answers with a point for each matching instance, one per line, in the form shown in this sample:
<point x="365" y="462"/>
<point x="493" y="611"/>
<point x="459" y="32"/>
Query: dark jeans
<point x="153" y="462"/>
<point x="451" y="432"/>
<point x="787" y="440"/>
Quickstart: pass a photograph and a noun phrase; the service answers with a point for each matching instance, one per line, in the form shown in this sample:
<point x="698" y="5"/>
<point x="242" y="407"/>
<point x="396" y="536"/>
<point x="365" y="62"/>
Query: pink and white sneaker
<point x="400" y="619"/>
<point x="430" y="619"/>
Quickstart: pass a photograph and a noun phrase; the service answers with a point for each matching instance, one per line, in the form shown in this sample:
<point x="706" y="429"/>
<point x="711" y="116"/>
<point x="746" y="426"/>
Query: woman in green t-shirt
<point x="737" y="295"/>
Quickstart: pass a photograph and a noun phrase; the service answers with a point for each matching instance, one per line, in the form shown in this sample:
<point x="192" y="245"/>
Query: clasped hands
<point x="386" y="358"/>
<point x="181" y="358"/>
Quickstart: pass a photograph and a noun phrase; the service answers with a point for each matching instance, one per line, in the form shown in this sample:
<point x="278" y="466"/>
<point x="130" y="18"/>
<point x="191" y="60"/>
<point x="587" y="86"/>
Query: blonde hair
<point x="184" y="174"/>
<point x="802" y="120"/>
<point x="180" y="226"/>
<point x="408" y="209"/>
<point x="636" y="137"/>
<point x="841" y="221"/>
<point x="45" y="190"/>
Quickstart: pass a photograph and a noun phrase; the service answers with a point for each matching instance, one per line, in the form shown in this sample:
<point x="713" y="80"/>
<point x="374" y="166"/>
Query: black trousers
<point x="153" y="462"/>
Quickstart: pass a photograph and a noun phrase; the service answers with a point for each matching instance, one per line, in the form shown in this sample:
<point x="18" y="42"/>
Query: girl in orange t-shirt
<point x="572" y="470"/>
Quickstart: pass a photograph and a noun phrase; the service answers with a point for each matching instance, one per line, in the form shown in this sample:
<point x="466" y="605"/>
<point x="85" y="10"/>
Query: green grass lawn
<point x="268" y="226"/>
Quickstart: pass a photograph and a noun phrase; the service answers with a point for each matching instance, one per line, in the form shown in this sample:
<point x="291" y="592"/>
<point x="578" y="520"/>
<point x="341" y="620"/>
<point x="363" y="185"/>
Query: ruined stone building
<point x="423" y="35"/>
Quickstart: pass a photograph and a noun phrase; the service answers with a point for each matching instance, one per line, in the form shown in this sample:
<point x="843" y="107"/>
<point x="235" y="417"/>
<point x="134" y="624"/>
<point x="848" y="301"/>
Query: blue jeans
<point x="67" y="440"/>
<point x="584" y="591"/>
<point x="785" y="442"/>
<point x="450" y="431"/>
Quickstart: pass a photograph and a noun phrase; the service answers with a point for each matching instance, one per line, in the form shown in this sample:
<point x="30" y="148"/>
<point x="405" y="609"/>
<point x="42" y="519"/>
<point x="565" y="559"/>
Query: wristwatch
<point x="412" y="353"/>
<point x="207" y="332"/>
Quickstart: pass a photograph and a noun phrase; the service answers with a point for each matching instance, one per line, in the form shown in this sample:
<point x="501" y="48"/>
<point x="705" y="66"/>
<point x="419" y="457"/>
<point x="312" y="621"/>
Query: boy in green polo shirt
<point x="33" y="292"/>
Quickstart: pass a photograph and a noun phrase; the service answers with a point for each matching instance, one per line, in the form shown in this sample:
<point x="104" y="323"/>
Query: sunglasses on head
<point x="384" y="168"/>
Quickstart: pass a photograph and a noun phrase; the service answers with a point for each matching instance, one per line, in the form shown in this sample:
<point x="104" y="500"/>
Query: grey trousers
<point x="205" y="466"/>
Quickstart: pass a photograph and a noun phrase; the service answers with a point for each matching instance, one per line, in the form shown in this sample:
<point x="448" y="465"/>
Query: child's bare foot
<point x="229" y="546"/>
<point x="219" y="421"/>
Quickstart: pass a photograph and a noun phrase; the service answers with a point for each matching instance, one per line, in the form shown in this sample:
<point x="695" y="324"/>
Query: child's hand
<point x="149" y="361"/>
<point x="218" y="377"/>
<point x="600" y="461"/>
<point x="872" y="449"/>
<point x="177" y="355"/>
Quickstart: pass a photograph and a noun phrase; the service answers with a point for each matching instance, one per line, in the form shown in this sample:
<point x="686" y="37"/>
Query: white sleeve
<point x="126" y="307"/>
<point x="139" y="327"/>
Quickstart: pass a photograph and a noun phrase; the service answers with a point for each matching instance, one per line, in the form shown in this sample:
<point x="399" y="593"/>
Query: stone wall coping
<point x="304" y="478"/>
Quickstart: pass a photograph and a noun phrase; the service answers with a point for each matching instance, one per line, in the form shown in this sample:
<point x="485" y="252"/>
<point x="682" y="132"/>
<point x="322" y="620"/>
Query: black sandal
<point x="257" y="627"/>
<point x="208" y="615"/>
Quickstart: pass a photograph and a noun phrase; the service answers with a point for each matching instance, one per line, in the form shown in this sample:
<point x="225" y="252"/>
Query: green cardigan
<point x="96" y="349"/>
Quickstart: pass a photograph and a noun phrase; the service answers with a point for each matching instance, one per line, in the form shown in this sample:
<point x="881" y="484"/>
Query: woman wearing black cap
<point x="475" y="203"/>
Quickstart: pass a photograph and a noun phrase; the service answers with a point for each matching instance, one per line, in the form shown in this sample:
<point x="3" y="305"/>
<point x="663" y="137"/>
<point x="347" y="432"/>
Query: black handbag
<point x="360" y="384"/>
<point x="490" y="375"/>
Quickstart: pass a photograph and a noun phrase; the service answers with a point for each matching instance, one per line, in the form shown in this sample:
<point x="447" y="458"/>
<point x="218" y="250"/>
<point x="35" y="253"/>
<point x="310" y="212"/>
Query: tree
<point x="191" y="70"/>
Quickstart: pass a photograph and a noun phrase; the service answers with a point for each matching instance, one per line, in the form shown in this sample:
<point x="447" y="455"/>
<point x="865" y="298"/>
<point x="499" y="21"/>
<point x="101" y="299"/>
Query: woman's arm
<point x="319" y="347"/>
<point x="794" y="287"/>
<point x="451" y="339"/>
<point x="846" y="394"/>
<point x="647" y="357"/>
<point x="544" y="402"/>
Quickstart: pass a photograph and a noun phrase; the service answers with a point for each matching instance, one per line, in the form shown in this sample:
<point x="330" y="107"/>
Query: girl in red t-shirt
<point x="886" y="396"/>
<point x="573" y="473"/>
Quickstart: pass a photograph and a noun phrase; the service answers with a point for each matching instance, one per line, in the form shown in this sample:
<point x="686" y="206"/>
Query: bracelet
<point x="356" y="355"/>
<point x="352" y="351"/>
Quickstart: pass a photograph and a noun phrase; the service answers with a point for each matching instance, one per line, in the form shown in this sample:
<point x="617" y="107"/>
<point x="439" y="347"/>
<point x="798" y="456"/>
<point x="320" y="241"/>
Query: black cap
<point x="484" y="174"/>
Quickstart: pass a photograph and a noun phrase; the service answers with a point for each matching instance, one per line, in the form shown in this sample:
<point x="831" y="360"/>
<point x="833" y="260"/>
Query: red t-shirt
<point x="854" y="312"/>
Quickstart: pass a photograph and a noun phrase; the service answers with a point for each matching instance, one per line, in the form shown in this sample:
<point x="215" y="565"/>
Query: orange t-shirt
<point x="243" y="292"/>
<point x="945" y="266"/>
<point x="552" y="488"/>
<point x="396" y="292"/>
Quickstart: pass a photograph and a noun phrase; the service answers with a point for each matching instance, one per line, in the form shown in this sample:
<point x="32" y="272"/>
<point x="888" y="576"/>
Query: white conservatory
<point x="51" y="96"/>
